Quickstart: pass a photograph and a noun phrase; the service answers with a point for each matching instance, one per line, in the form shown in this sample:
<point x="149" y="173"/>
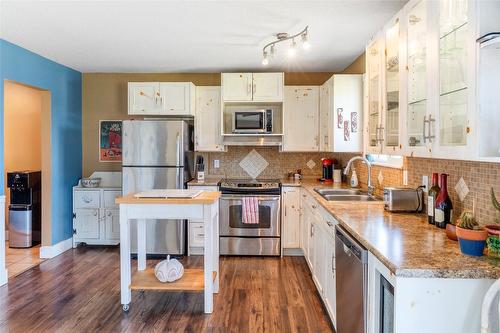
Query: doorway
<point x="26" y="135"/>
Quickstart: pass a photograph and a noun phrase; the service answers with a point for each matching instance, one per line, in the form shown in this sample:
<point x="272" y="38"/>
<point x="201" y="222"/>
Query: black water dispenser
<point x="25" y="209"/>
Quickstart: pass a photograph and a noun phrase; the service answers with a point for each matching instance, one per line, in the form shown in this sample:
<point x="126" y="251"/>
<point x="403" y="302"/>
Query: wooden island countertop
<point x="205" y="198"/>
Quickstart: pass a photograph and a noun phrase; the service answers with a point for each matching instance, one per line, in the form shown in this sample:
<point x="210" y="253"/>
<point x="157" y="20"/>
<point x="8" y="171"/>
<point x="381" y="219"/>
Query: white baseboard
<point x="47" y="252"/>
<point x="293" y="252"/>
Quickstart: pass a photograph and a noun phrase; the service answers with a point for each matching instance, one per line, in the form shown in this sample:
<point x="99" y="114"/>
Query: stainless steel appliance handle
<point x="259" y="197"/>
<point x="178" y="161"/>
<point x="431" y="136"/>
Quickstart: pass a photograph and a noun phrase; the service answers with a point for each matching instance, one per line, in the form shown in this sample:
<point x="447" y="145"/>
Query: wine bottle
<point x="443" y="212"/>
<point x="431" y="198"/>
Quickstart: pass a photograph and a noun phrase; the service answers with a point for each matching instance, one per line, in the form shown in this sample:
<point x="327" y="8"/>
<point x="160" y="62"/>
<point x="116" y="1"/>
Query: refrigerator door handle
<point x="178" y="159"/>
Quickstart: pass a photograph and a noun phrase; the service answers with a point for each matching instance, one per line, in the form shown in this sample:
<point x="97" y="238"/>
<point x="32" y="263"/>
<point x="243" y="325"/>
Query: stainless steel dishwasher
<point x="351" y="283"/>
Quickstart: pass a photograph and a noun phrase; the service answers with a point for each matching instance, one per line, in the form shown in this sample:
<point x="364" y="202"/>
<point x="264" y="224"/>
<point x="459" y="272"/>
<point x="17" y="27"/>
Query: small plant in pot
<point x="471" y="237"/>
<point x="493" y="240"/>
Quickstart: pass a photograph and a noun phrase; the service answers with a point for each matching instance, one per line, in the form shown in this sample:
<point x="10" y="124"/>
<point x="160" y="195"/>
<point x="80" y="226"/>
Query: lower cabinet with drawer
<point x="318" y="244"/>
<point x="196" y="233"/>
<point x="96" y="218"/>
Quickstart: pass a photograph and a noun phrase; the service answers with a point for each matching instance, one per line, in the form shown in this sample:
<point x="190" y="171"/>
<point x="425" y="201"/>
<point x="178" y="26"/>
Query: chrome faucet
<point x="368" y="165"/>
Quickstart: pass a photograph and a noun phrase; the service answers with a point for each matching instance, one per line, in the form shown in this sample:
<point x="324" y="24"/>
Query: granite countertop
<point x="209" y="181"/>
<point x="405" y="242"/>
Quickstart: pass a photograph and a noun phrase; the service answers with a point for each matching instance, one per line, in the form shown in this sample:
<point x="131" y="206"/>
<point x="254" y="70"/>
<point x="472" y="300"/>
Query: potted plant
<point x="493" y="240"/>
<point x="451" y="231"/>
<point x="471" y="237"/>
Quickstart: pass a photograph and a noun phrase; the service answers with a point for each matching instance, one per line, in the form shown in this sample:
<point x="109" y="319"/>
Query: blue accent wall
<point x="65" y="85"/>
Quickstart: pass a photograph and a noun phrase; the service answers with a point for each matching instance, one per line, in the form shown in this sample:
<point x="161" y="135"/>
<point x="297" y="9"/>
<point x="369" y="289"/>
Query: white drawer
<point x="87" y="199"/>
<point x="109" y="199"/>
<point x="196" y="234"/>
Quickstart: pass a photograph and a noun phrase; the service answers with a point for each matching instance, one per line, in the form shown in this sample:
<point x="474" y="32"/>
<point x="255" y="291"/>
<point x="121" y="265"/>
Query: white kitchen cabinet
<point x="86" y="223"/>
<point x="267" y="87"/>
<point x="430" y="60"/>
<point x="330" y="293"/>
<point x="161" y="98"/>
<point x="373" y="116"/>
<point x="291" y="217"/>
<point x="325" y="118"/>
<point x="236" y="87"/>
<point x="301" y="118"/>
<point x="196" y="232"/>
<point x="207" y="119"/>
<point x="393" y="96"/>
<point x="112" y="224"/>
<point x="419" y="120"/>
<point x="256" y="87"/>
<point x="95" y="216"/>
<point x="144" y="98"/>
<point x="341" y="113"/>
<point x="320" y="258"/>
<point x="177" y="98"/>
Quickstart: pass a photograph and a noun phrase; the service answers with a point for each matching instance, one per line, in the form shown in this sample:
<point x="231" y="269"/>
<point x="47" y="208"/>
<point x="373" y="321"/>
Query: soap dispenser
<point x="354" y="179"/>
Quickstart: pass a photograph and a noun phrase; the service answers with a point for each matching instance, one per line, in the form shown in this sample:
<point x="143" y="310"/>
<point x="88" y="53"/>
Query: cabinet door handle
<point x="431" y="136"/>
<point x="87" y="199"/>
<point x="314" y="206"/>
<point x="249" y="88"/>
<point x="95" y="213"/>
<point x="330" y="224"/>
<point x="254" y="87"/>
<point x="109" y="213"/>
<point x="423" y="129"/>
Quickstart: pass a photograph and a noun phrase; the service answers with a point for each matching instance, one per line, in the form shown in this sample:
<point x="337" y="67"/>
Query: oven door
<point x="231" y="222"/>
<point x="249" y="121"/>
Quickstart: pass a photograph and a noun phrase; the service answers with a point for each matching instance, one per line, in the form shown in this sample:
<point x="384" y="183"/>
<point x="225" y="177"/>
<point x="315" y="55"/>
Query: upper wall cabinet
<point x="340" y="114"/>
<point x="207" y="119"/>
<point x="252" y="87"/>
<point x="161" y="98"/>
<point x="432" y="66"/>
<point x="392" y="97"/>
<point x="301" y="130"/>
<point x="373" y="111"/>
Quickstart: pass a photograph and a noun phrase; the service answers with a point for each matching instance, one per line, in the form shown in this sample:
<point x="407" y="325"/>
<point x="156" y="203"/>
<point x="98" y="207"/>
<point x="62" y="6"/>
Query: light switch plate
<point x="405" y="177"/>
<point x="216" y="164"/>
<point x="425" y="183"/>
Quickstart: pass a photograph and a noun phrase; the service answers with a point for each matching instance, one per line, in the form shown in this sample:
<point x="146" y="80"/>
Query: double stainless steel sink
<point x="332" y="194"/>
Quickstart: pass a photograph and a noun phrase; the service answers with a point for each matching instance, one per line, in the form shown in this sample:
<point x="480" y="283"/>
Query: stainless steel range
<point x="253" y="239"/>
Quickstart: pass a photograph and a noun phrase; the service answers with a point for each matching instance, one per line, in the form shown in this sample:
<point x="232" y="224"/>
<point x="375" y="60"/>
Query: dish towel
<point x="250" y="210"/>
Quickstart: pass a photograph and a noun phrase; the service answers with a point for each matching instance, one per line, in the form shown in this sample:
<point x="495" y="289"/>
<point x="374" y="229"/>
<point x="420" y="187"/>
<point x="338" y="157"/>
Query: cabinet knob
<point x="95" y="213"/>
<point x="109" y="213"/>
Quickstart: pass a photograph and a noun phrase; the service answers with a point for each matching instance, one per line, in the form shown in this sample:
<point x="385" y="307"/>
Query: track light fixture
<point x="281" y="37"/>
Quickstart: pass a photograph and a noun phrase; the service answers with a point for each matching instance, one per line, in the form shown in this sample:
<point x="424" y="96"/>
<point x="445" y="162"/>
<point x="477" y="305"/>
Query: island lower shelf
<point x="192" y="280"/>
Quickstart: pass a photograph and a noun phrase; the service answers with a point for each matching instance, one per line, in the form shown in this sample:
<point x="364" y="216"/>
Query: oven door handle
<point x="260" y="198"/>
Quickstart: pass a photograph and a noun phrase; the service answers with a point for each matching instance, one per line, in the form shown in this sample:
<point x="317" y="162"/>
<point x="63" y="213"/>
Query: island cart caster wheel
<point x="125" y="307"/>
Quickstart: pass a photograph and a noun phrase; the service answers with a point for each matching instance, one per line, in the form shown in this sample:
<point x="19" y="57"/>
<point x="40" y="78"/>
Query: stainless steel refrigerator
<point x="158" y="154"/>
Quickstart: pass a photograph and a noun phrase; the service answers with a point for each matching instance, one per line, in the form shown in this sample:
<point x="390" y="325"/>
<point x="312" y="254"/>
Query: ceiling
<point x="192" y="36"/>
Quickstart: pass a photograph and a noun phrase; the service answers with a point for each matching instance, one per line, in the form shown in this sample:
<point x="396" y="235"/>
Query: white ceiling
<point x="192" y="36"/>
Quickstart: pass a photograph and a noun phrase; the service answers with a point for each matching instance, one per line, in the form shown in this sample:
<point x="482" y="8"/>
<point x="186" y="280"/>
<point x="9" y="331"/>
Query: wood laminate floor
<point x="78" y="291"/>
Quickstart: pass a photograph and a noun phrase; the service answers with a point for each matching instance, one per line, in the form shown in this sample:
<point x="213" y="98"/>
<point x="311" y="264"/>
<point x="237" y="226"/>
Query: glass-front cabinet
<point x="392" y="86"/>
<point x="374" y="104"/>
<point x="453" y="76"/>
<point x="428" y="82"/>
<point x="418" y="117"/>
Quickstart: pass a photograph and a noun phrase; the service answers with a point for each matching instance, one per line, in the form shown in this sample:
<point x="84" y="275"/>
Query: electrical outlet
<point x="216" y="164"/>
<point x="405" y="177"/>
<point x="425" y="182"/>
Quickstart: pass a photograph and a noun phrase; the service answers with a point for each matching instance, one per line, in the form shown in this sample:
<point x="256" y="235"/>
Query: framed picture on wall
<point x="110" y="140"/>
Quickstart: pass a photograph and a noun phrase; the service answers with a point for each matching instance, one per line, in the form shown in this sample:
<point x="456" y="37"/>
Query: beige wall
<point x="105" y="98"/>
<point x="22" y="130"/>
<point x="357" y="67"/>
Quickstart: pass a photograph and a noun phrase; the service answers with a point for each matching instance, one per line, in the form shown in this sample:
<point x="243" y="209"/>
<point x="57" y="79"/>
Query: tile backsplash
<point x="479" y="177"/>
<point x="279" y="163"/>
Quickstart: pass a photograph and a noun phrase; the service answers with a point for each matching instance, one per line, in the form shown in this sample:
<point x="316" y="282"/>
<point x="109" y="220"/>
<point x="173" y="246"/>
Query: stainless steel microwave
<point x="253" y="121"/>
